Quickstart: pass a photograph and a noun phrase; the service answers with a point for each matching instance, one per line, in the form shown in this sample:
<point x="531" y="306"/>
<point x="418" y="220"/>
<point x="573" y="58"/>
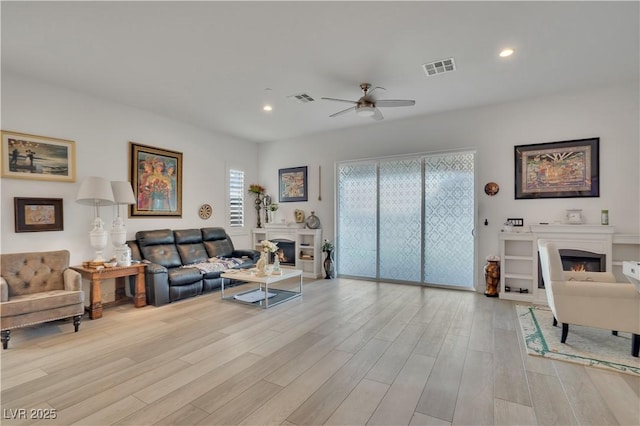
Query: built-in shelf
<point x="518" y="268"/>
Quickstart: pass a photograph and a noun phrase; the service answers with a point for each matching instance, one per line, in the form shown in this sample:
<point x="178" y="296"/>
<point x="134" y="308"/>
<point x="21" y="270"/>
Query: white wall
<point x="102" y="131"/>
<point x="612" y="114"/>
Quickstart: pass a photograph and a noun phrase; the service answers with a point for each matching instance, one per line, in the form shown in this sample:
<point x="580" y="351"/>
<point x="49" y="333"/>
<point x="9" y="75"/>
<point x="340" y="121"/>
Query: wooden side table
<point x="95" y="276"/>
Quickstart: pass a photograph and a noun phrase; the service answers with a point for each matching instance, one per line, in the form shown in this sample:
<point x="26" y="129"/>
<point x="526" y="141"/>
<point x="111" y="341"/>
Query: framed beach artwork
<point x="293" y="184"/>
<point x="156" y="176"/>
<point x="38" y="214"/>
<point x="558" y="169"/>
<point x="26" y="156"/>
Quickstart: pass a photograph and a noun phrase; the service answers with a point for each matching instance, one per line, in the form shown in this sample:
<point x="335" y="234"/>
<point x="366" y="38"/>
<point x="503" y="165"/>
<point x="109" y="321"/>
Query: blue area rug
<point x="585" y="345"/>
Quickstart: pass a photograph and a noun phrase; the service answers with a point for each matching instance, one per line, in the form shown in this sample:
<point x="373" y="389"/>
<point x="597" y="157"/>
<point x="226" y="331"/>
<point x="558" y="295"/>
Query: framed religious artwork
<point x="38" y="214"/>
<point x="27" y="156"/>
<point x="293" y="184"/>
<point x="156" y="176"/>
<point x="564" y="169"/>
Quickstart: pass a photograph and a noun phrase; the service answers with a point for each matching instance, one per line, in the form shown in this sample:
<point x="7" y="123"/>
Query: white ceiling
<point x="209" y="63"/>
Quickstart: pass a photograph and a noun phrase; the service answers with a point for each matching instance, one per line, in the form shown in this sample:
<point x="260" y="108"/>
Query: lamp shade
<point x="95" y="191"/>
<point x="122" y="192"/>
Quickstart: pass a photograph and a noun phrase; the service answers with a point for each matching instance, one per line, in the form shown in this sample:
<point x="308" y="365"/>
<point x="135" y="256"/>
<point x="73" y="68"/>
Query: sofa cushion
<point x="217" y="242"/>
<point x="183" y="291"/>
<point x="42" y="301"/>
<point x="184" y="276"/>
<point x="190" y="247"/>
<point x="27" y="273"/>
<point x="159" y="247"/>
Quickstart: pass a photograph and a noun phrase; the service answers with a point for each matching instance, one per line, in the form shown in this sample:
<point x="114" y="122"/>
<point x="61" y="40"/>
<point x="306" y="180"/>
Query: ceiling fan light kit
<point x="365" y="111"/>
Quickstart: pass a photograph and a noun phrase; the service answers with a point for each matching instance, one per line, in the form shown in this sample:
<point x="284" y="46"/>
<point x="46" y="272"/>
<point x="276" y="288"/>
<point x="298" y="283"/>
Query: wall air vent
<point x="439" y="67"/>
<point x="302" y="98"/>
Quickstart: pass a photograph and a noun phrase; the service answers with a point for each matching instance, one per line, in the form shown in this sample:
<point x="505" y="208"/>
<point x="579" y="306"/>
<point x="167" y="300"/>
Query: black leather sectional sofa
<point x="169" y="276"/>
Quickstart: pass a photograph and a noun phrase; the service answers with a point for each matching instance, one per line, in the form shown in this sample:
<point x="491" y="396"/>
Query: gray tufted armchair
<point x="38" y="287"/>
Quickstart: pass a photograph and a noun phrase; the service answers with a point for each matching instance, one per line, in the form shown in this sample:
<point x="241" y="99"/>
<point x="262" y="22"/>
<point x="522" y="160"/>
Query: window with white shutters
<point x="236" y="198"/>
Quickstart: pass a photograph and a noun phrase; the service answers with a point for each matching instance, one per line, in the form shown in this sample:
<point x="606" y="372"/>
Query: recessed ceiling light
<point x="506" y="52"/>
<point x="267" y="108"/>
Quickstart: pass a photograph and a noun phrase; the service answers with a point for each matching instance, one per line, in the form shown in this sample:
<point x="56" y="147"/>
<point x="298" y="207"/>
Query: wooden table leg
<point x="140" y="297"/>
<point x="95" y="307"/>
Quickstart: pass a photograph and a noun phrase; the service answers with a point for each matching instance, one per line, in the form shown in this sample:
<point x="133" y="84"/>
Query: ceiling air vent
<point x="302" y="98"/>
<point x="439" y="67"/>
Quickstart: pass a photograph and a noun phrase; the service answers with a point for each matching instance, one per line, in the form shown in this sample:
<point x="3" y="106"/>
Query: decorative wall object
<point x="156" y="175"/>
<point x="27" y="156"/>
<point x="38" y="214"/>
<point x="293" y="184"/>
<point x="491" y="189"/>
<point x="205" y="211"/>
<point x="558" y="169"/>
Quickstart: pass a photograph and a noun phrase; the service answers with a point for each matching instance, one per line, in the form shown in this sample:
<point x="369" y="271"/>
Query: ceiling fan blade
<point x="395" y="103"/>
<point x="340" y="100"/>
<point x="377" y="115"/>
<point x="335" y="114"/>
<point x="370" y="91"/>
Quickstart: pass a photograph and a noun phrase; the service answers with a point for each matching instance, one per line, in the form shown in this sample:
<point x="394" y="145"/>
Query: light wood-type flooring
<point x="347" y="352"/>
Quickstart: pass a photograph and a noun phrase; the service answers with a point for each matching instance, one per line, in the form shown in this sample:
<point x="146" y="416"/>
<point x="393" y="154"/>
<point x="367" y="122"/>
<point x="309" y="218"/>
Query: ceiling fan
<point x="367" y="106"/>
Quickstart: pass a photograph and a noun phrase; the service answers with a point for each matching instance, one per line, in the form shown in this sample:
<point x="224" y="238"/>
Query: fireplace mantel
<point x="572" y="229"/>
<point x="594" y="238"/>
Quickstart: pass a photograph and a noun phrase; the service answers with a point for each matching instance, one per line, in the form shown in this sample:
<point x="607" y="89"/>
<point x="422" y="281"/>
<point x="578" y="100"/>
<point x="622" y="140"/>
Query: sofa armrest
<point x="154" y="268"/>
<point x="72" y="280"/>
<point x="157" y="284"/>
<point x="252" y="254"/>
<point x="4" y="290"/>
<point x="595" y="289"/>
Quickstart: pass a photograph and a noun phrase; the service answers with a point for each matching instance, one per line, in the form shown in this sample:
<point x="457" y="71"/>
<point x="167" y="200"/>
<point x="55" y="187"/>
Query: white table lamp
<point x="122" y="194"/>
<point x="96" y="191"/>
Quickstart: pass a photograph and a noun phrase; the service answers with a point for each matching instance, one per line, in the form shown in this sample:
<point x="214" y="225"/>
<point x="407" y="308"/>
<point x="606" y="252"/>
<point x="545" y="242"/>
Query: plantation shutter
<point x="236" y="198"/>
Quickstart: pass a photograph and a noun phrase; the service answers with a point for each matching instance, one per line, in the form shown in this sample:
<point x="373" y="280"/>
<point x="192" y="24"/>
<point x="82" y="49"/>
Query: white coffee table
<point x="264" y="284"/>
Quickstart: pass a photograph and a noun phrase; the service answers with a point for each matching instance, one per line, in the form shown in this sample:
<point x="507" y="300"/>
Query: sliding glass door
<point x="400" y="219"/>
<point x="407" y="219"/>
<point x="449" y="206"/>
<point x="357" y="220"/>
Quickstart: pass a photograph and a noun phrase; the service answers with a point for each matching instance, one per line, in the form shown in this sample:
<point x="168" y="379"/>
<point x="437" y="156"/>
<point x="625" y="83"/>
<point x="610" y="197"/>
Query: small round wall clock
<point x="205" y="211"/>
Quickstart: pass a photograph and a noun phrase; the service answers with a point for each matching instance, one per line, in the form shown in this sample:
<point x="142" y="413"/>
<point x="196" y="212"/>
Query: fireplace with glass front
<point x="577" y="261"/>
<point x="286" y="252"/>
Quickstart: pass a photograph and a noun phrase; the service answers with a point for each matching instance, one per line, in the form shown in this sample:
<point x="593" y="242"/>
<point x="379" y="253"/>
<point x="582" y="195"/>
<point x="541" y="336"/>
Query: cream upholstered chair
<point x="38" y="287"/>
<point x="592" y="299"/>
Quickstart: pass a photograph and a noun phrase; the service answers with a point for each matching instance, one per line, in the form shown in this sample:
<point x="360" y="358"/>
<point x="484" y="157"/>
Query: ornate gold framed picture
<point x="156" y="175"/>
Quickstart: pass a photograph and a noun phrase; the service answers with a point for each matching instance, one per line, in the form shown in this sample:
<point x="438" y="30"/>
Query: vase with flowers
<point x="329" y="269"/>
<point x="273" y="208"/>
<point x="266" y="248"/>
<point x="258" y="191"/>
